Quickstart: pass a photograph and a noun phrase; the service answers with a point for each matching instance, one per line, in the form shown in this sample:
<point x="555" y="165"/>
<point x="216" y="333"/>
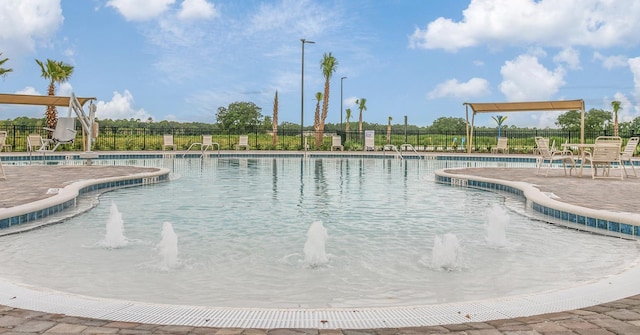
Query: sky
<point x="181" y="60"/>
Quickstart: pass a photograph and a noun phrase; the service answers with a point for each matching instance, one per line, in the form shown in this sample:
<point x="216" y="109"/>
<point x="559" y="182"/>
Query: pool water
<point x="241" y="226"/>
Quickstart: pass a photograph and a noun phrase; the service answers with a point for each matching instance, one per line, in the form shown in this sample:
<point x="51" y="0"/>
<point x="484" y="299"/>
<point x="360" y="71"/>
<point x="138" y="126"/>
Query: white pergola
<point x="528" y="106"/>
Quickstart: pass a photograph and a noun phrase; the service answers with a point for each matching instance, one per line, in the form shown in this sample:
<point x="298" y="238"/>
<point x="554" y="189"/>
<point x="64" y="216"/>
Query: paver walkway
<point x="617" y="317"/>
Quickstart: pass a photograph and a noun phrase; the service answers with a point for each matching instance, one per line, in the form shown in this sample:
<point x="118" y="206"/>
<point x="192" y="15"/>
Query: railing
<point x="143" y="139"/>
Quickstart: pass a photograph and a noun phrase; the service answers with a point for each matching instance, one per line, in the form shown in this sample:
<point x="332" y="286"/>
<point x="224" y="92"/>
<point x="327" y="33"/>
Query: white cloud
<point x="525" y="79"/>
<point x="569" y="56"/>
<point x="594" y="23"/>
<point x="140" y="10"/>
<point x="26" y="23"/>
<point x="120" y="107"/>
<point x="634" y="66"/>
<point x="29" y="91"/>
<point x="197" y="9"/>
<point x="610" y="62"/>
<point x="627" y="111"/>
<point x="452" y="88"/>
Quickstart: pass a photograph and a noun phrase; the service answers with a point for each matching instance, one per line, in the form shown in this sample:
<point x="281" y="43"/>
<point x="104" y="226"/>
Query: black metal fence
<point x="141" y="139"/>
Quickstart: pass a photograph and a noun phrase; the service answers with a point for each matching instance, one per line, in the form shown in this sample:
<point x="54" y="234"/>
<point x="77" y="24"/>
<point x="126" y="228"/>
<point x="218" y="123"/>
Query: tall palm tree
<point x="329" y="64"/>
<point x="274" y="126"/>
<point x="3" y="71"/>
<point x="500" y="120"/>
<point x="316" y="117"/>
<point x="362" y="107"/>
<point x="347" y="118"/>
<point x="615" y="104"/>
<point x="389" y="130"/>
<point x="57" y="73"/>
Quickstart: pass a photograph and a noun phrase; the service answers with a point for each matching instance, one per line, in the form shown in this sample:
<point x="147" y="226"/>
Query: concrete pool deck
<point x="616" y="317"/>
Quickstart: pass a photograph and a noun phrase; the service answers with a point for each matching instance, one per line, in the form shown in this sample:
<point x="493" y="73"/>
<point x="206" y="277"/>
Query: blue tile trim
<point x="37" y="215"/>
<point x="590" y="222"/>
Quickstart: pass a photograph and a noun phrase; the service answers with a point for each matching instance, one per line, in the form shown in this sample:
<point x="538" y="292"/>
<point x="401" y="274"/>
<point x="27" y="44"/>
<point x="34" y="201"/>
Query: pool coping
<point x="606" y="289"/>
<point x="617" y="224"/>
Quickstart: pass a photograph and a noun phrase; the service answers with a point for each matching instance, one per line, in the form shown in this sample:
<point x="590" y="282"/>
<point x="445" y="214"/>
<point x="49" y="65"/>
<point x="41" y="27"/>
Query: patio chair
<point x="3" y="142"/>
<point x="369" y="140"/>
<point x="502" y="146"/>
<point x="243" y="141"/>
<point x="34" y="142"/>
<point x="65" y="133"/>
<point x="627" y="154"/>
<point x="548" y="155"/>
<point x="168" y="142"/>
<point x="606" y="152"/>
<point x="336" y="142"/>
<point x="2" y="174"/>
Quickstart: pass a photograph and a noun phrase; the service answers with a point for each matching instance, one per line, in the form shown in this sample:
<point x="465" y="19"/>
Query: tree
<point x="56" y="73"/>
<point x="3" y="71"/>
<point x="444" y="125"/>
<point x="595" y="119"/>
<point x="615" y="104"/>
<point x="362" y="106"/>
<point x="389" y="130"/>
<point x="499" y="120"/>
<point x="328" y="66"/>
<point x="316" y="117"/>
<point x="275" y="120"/>
<point x="239" y="117"/>
<point x="347" y="118"/>
<point x="569" y="121"/>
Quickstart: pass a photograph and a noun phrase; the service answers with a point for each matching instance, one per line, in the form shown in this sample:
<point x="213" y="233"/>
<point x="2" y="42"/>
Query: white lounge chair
<point x="502" y="146"/>
<point x="168" y="143"/>
<point x="243" y="141"/>
<point x="548" y="155"/>
<point x="3" y="142"/>
<point x="369" y="140"/>
<point x="627" y="154"/>
<point x="2" y="174"/>
<point x="34" y="142"/>
<point x="336" y="142"/>
<point x="606" y="152"/>
<point x="65" y="133"/>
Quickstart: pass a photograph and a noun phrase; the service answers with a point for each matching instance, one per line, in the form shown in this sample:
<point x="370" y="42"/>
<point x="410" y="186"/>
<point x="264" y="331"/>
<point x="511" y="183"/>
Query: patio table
<point x="582" y="147"/>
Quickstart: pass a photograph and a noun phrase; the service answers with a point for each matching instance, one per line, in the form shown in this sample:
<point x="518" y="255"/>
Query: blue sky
<point x="182" y="59"/>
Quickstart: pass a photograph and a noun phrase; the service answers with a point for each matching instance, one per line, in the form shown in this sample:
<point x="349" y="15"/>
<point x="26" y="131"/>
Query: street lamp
<point x="341" y="126"/>
<point x="302" y="96"/>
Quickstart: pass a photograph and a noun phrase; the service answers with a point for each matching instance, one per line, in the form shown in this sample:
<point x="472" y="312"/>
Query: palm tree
<point x="615" y="104"/>
<point x="56" y="72"/>
<point x="347" y="118"/>
<point x="500" y="120"/>
<point x="3" y="71"/>
<point x="328" y="65"/>
<point x="362" y="107"/>
<point x="389" y="130"/>
<point x="274" y="126"/>
<point x="316" y="118"/>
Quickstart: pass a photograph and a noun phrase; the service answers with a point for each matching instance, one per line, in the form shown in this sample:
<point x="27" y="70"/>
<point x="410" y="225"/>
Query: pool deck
<point x="26" y="184"/>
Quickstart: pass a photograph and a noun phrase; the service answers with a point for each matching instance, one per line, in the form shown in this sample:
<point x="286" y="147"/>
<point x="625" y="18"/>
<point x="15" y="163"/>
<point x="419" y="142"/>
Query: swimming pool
<point x="242" y="224"/>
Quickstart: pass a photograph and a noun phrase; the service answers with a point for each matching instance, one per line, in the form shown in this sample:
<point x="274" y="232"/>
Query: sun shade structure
<point x="39" y="100"/>
<point x="527" y="106"/>
<point x="74" y="103"/>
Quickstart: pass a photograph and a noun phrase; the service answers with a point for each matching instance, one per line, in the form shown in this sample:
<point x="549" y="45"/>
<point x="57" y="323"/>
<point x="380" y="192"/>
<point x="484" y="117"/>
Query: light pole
<point x="341" y="126"/>
<point x="302" y="96"/>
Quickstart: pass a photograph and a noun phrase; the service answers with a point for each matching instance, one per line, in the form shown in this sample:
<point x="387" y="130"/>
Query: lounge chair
<point x="546" y="154"/>
<point x="502" y="146"/>
<point x="3" y="142"/>
<point x="168" y="143"/>
<point x="336" y="142"/>
<point x="627" y="154"/>
<point x="34" y="142"/>
<point x="207" y="142"/>
<point x="243" y="141"/>
<point x="369" y="140"/>
<point x="65" y="133"/>
<point x="2" y="174"/>
<point x="606" y="152"/>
